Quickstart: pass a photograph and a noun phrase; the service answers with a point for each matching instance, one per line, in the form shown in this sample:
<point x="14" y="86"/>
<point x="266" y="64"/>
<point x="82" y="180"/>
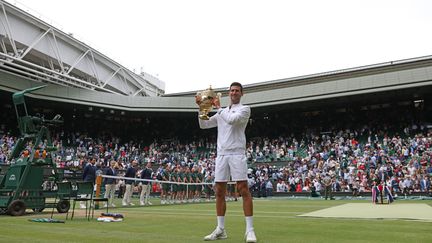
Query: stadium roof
<point x="33" y="52"/>
<point x="397" y="75"/>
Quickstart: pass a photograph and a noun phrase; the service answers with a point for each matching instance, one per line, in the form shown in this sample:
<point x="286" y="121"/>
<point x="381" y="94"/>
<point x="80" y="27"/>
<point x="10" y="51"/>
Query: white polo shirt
<point x="231" y="123"/>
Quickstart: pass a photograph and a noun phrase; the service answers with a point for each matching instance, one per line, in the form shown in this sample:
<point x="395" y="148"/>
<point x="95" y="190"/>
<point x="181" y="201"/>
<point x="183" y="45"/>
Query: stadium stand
<point x="354" y="148"/>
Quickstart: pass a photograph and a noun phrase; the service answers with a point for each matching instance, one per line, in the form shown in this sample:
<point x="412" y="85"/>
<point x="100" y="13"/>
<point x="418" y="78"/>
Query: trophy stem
<point x="203" y="115"/>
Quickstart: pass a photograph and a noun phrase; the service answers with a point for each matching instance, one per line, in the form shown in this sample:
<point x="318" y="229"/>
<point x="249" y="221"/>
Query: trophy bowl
<point x="206" y="102"/>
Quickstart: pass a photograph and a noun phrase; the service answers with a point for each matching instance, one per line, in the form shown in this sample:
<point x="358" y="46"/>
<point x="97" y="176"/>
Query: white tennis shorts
<point x="231" y="165"/>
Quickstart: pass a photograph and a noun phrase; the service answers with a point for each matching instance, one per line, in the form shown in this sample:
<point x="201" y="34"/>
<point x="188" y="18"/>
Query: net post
<point x="98" y="189"/>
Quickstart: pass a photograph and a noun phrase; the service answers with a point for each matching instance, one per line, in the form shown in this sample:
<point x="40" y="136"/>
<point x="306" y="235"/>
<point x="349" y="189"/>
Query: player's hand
<point x="198" y="99"/>
<point x="216" y="102"/>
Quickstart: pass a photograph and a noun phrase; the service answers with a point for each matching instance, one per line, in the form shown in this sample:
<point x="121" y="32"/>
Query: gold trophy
<point x="205" y="104"/>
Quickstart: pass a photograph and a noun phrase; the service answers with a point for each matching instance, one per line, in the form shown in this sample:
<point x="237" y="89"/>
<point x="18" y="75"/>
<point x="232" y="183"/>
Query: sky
<point x="191" y="44"/>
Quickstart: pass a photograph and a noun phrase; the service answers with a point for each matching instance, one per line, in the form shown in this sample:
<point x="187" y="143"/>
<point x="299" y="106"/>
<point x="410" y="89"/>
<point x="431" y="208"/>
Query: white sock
<point x="221" y="222"/>
<point x="249" y="223"/>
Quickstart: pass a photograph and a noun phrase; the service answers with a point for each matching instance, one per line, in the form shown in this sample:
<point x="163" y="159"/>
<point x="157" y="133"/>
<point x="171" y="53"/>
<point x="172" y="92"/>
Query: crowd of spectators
<point x="404" y="164"/>
<point x="352" y="155"/>
<point x="402" y="160"/>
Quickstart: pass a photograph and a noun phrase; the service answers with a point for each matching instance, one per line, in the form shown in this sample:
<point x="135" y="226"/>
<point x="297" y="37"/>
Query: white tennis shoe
<point x="217" y="234"/>
<point x="250" y="236"/>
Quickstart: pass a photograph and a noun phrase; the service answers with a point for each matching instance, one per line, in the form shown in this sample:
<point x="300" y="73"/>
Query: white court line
<point x="172" y="211"/>
<point x="271" y="216"/>
<point x="212" y="210"/>
<point x="229" y="214"/>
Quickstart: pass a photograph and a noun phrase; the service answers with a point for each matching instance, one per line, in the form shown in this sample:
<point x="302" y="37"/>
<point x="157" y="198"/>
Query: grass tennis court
<point x="276" y="220"/>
